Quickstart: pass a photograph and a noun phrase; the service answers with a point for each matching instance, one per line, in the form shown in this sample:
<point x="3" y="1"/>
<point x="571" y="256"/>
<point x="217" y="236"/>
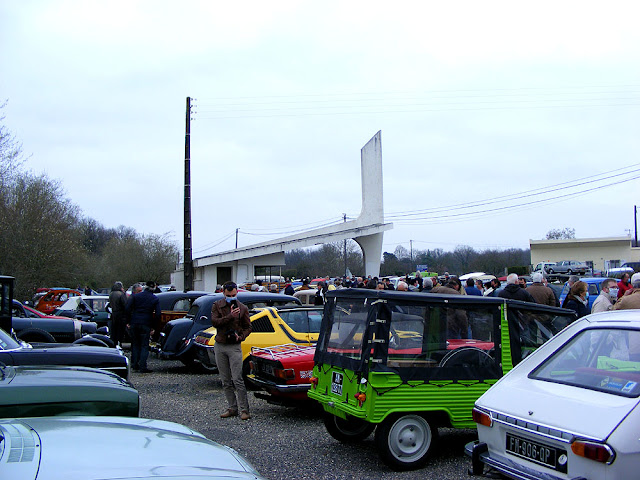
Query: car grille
<point x="22" y="441"/>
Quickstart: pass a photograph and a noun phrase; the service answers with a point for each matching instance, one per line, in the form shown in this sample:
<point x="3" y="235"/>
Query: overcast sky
<point x="491" y="114"/>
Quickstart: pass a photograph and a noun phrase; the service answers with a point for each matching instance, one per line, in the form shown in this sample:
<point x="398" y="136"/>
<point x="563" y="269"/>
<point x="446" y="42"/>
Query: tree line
<point x="329" y="260"/>
<point x="46" y="241"/>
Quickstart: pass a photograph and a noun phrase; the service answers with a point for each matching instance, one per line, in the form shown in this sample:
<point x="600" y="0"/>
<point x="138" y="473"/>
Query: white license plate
<point x="546" y="455"/>
<point x="336" y="383"/>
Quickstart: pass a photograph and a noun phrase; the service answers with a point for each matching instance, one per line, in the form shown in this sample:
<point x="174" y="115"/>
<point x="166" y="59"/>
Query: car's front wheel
<point x="190" y="360"/>
<point x="404" y="441"/>
<point x="31" y="335"/>
<point x="350" y="430"/>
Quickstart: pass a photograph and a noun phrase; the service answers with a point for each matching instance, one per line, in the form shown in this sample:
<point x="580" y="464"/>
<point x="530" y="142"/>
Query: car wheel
<point x="195" y="365"/>
<point x="31" y="335"/>
<point x="91" y="341"/>
<point x="551" y="270"/>
<point x="570" y="272"/>
<point x="404" y="441"/>
<point x="350" y="430"/>
<point x="104" y="338"/>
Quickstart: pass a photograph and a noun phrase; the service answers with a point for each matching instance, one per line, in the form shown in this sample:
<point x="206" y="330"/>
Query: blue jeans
<point x="140" y="335"/>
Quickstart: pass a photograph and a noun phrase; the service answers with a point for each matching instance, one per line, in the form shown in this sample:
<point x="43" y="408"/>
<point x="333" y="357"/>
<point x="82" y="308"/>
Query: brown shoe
<point x="229" y="413"/>
<point x="245" y="416"/>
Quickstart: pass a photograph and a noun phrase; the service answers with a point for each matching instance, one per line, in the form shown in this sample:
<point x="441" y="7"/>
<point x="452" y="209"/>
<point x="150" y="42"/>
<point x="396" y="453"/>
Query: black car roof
<point x="417" y="298"/>
<point x="248" y="297"/>
<point x="168" y="298"/>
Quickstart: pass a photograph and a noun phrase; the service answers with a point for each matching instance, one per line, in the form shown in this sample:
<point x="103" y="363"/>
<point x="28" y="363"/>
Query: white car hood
<point x="73" y="447"/>
<point x="583" y="412"/>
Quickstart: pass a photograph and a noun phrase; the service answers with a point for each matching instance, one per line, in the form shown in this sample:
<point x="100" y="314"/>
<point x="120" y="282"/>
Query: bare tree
<point x="558" y="234"/>
<point x="38" y="242"/>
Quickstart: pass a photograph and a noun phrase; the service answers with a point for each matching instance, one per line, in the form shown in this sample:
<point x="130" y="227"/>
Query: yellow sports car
<point x="270" y="326"/>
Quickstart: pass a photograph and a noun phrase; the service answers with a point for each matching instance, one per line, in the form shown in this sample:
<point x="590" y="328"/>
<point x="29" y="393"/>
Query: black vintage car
<point x="176" y="339"/>
<point x="175" y="305"/>
<point x="33" y="326"/>
<point x="15" y="353"/>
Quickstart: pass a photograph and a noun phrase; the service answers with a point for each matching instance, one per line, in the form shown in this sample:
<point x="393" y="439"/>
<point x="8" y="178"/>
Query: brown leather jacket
<point x="542" y="294"/>
<point x="222" y="319"/>
<point x="630" y="300"/>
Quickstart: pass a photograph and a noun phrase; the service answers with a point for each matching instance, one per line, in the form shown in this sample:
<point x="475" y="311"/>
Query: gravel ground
<point x="281" y="442"/>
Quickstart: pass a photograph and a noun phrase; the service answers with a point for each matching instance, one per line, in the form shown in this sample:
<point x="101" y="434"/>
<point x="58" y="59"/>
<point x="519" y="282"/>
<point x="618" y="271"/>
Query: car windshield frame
<point x="608" y="364"/>
<point x="7" y="342"/>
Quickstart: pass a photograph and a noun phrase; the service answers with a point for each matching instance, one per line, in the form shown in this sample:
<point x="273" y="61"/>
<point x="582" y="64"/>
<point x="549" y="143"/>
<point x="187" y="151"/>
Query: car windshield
<point x="6" y="342"/>
<point x="602" y="359"/>
<point x="347" y="329"/>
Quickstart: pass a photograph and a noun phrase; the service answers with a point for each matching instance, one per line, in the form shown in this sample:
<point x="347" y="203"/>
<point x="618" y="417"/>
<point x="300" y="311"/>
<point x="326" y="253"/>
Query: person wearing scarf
<point x="578" y="299"/>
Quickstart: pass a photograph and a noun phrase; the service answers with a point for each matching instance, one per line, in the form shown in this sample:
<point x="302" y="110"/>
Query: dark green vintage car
<point x="28" y="391"/>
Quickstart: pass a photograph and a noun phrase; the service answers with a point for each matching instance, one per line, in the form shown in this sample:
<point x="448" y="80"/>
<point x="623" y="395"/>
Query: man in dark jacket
<point x="231" y="319"/>
<point x="143" y="311"/>
<point x="515" y="291"/>
<point x="118" y="305"/>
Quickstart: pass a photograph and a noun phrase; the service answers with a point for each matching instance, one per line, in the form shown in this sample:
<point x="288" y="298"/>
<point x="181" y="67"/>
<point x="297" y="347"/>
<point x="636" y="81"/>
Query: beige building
<point x="598" y="253"/>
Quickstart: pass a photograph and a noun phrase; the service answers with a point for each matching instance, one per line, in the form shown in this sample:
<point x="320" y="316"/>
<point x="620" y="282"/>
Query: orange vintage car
<point x="54" y="298"/>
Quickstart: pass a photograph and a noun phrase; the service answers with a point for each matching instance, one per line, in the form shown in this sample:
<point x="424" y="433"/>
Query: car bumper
<point x="272" y="386"/>
<point x="480" y="456"/>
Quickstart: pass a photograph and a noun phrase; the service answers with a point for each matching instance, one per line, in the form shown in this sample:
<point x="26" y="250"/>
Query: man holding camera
<point x="231" y="319"/>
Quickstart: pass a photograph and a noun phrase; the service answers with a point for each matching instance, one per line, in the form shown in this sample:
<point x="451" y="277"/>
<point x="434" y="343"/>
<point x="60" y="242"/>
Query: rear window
<point x="182" y="305"/>
<point x="193" y="311"/>
<point x="602" y="359"/>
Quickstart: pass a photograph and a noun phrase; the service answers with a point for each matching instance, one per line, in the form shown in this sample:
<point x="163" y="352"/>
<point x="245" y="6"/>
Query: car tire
<point x="570" y="272"/>
<point x="31" y="335"/>
<point x="404" y="441"/>
<point x="551" y="271"/>
<point x="195" y="365"/>
<point x="104" y="338"/>
<point x="351" y="430"/>
<point x="91" y="341"/>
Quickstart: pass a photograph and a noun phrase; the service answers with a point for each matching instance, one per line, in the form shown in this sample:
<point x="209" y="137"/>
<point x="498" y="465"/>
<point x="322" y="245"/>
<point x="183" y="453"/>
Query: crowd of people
<point x="614" y="295"/>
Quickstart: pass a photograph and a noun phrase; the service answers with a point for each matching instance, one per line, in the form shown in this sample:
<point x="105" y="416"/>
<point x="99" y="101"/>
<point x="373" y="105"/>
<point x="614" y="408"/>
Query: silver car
<point x="51" y="448"/>
<point x="570" y="410"/>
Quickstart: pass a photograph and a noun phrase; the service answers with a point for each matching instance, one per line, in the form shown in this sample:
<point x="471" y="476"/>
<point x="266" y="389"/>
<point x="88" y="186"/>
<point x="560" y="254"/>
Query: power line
<point x="570" y="88"/>
<point x="215" y="243"/>
<point x="511" y="207"/>
<point x="357" y="103"/>
<point x="518" y="196"/>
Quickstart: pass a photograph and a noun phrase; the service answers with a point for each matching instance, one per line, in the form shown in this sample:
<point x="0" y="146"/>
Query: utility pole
<point x="188" y="259"/>
<point x="344" y="217"/>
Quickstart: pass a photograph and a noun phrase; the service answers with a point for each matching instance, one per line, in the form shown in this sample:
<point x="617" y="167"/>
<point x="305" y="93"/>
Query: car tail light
<point x="314" y="381"/>
<point x="285" y="374"/>
<point x="600" y="452"/>
<point x="482" y="418"/>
